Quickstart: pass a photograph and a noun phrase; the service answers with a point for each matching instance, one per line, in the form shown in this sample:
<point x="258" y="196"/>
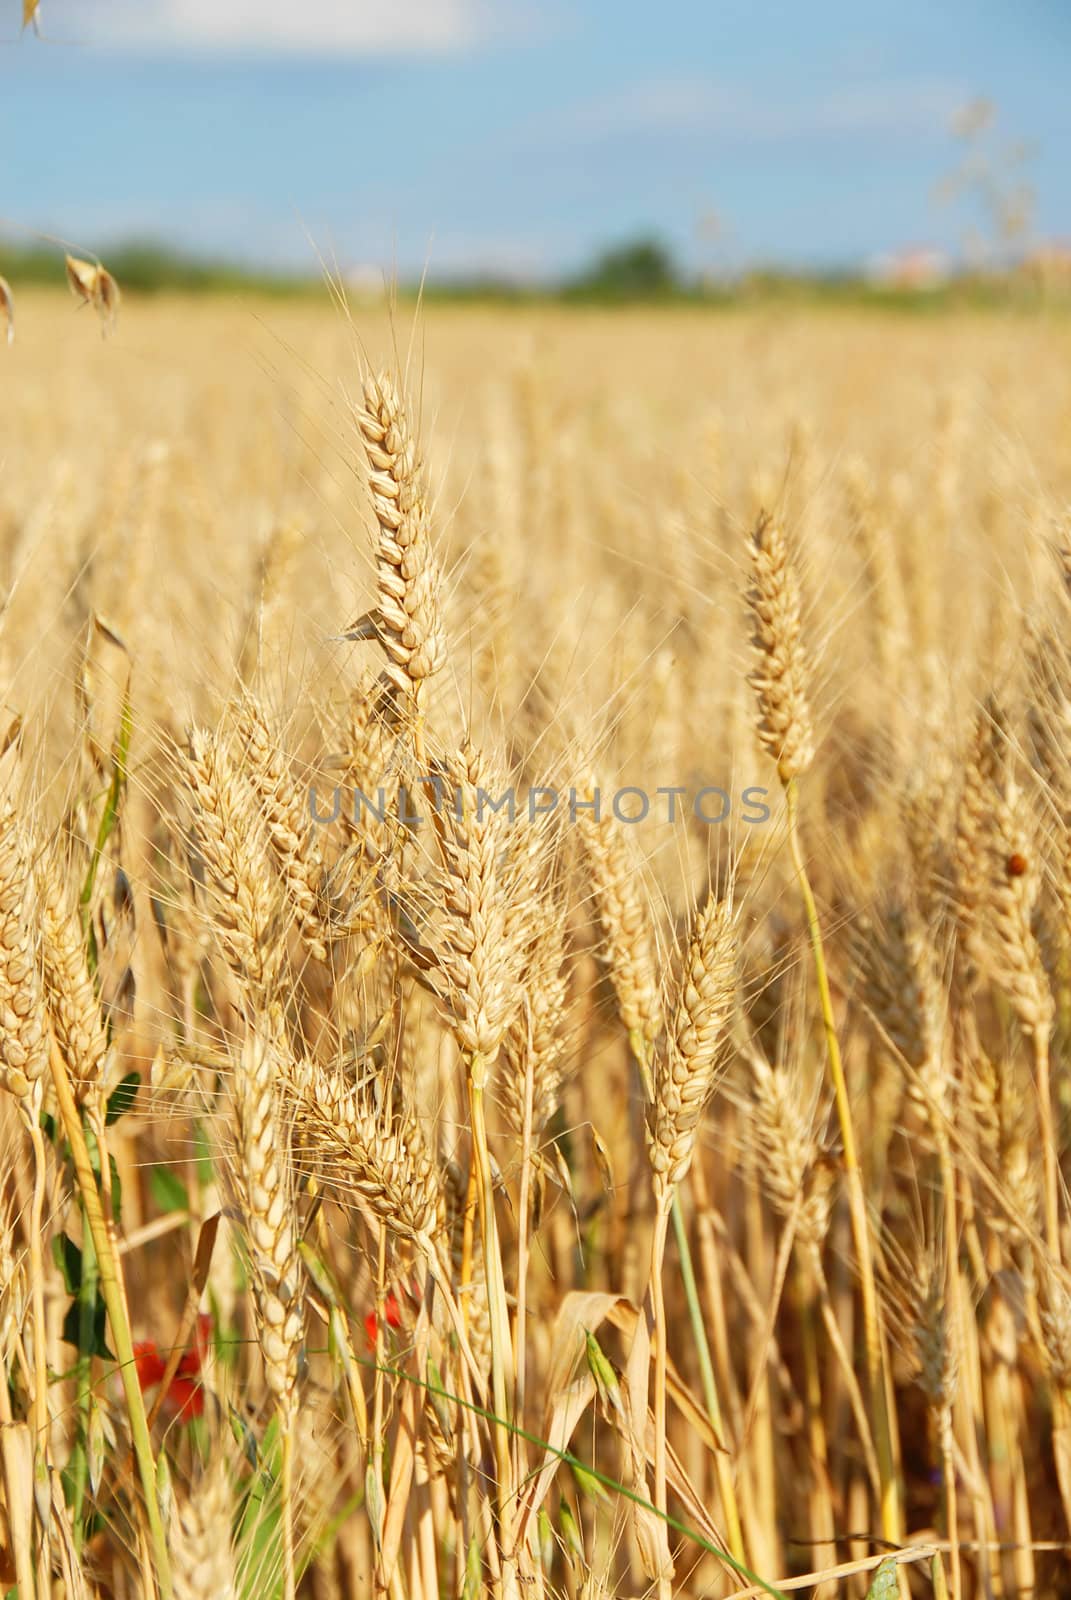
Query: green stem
<point x="87" y="1309"/>
<point x="722" y="1465"/>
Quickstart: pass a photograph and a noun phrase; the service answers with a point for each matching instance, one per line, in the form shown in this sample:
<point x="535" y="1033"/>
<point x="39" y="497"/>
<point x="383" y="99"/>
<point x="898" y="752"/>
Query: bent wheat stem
<point x="890" y="1496"/>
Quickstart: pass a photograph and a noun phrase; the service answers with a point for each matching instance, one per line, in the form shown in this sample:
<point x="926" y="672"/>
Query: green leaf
<point x="589" y="1485"/>
<point x="68" y="1258"/>
<point x="202" y="1155"/>
<point x="260" y="1535"/>
<point x="98" y="1345"/>
<point x="117" y="1188"/>
<point x="473" y="1571"/>
<point x="227" y="1343"/>
<point x="168" y="1191"/>
<point x="122" y="1098"/>
<point x="574" y="1543"/>
<point x="244" y="1436"/>
<point x="547" y="1543"/>
<point x="438" y="1401"/>
<point x="606" y="1380"/>
<point x="886" y="1585"/>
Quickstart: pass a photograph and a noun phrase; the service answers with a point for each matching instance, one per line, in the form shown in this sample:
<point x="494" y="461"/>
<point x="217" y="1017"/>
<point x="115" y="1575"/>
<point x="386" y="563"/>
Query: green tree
<point x="638" y="269"/>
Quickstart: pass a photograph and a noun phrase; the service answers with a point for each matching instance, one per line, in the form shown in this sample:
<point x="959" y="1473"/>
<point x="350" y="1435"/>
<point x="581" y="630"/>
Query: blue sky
<point x="518" y="135"/>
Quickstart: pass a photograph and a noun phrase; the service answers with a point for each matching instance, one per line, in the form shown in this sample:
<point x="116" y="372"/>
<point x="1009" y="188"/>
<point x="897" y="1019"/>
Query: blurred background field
<point x="656" y="436"/>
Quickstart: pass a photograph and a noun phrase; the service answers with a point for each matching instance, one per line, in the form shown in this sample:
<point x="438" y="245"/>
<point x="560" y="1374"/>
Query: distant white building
<point x="365" y="281"/>
<point x="916" y="267"/>
<point x="1050" y="263"/>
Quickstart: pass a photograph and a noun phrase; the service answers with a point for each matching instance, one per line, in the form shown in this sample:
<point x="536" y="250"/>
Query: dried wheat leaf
<point x="16" y="1458"/>
<point x="563" y="1411"/>
<point x="651" y="1537"/>
<point x="623" y="1317"/>
<point x="1061" y="1445"/>
<point x="582" y="1312"/>
<point x="569" y="1392"/>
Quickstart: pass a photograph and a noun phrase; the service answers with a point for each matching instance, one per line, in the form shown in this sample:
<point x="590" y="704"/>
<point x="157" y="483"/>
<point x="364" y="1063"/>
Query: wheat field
<point x="535" y="952"/>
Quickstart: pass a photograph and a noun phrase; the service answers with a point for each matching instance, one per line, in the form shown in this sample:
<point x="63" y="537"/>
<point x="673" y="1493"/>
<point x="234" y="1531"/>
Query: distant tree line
<point x="642" y="270"/>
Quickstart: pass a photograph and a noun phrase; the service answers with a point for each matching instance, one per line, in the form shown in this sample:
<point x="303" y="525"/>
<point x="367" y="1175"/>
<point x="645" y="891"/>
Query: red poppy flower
<point x="149" y="1363"/>
<point x="391" y="1312"/>
<point x="185" y="1397"/>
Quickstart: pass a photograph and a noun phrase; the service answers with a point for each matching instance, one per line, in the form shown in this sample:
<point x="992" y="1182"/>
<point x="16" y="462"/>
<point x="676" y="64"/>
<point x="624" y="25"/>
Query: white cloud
<point x="307" y="27"/>
<point x="695" y="106"/>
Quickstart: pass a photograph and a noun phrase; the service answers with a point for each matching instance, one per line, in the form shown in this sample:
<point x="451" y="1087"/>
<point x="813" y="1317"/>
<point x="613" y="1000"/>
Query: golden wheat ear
<point x="407" y="621"/>
<point x="779" y="677"/>
<point x="685" y="1069"/>
<point x="23" y="1052"/>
